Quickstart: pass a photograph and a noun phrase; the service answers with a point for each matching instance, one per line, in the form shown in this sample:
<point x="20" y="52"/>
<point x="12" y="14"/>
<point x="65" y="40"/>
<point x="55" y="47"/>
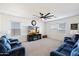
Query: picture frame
<point x="74" y="26"/>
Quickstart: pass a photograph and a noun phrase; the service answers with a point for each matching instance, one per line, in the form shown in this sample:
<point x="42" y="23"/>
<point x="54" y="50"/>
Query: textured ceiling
<point x="27" y="10"/>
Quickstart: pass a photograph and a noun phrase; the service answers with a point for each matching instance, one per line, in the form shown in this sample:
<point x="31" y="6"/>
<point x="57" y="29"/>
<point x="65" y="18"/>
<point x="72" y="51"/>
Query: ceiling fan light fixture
<point x="45" y="16"/>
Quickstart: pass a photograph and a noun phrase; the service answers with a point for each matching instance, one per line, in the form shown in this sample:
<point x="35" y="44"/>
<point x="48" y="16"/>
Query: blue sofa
<point x="67" y="47"/>
<point x="10" y="47"/>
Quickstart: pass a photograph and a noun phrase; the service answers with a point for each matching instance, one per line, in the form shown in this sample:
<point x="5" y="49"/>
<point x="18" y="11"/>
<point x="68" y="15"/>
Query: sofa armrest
<point x="13" y="43"/>
<point x="12" y="40"/>
<point x="67" y="39"/>
<point x="17" y="51"/>
<point x="56" y="53"/>
<point x="17" y="48"/>
<point x="70" y="42"/>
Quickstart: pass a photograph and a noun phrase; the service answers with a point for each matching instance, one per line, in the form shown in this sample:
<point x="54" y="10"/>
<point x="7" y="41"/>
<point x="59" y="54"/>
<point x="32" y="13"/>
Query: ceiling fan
<point x="45" y="16"/>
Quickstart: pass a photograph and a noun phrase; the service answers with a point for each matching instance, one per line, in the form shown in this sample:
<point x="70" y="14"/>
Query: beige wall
<point x="59" y="35"/>
<point x="5" y="25"/>
<point x="45" y="28"/>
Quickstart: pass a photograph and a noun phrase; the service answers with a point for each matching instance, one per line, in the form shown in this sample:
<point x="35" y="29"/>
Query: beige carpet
<point x="41" y="47"/>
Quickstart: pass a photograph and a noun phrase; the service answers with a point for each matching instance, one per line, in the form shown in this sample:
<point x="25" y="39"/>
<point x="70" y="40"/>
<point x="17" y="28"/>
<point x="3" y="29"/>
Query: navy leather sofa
<point x="71" y="40"/>
<point x="11" y="47"/>
<point x="67" y="47"/>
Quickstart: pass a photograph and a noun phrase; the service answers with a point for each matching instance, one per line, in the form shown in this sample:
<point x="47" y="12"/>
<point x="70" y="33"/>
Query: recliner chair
<point x="8" y="49"/>
<point x="66" y="48"/>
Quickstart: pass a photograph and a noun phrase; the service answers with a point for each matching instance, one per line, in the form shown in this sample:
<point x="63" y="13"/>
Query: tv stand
<point x="33" y="37"/>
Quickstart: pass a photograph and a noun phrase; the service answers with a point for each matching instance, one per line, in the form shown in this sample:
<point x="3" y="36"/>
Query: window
<point x="15" y="28"/>
<point x="62" y="26"/>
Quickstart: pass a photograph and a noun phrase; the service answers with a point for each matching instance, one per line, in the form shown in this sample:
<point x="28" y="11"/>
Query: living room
<point x="39" y="28"/>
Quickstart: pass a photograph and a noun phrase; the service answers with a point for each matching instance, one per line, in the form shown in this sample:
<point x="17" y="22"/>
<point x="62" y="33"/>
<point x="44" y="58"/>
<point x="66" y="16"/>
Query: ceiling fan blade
<point x="46" y="14"/>
<point x="41" y="14"/>
<point x="50" y="16"/>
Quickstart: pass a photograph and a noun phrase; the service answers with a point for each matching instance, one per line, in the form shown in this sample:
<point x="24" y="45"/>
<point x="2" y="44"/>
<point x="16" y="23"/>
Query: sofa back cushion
<point x="75" y="51"/>
<point x="3" y="49"/>
<point x="5" y="43"/>
<point x="76" y="37"/>
<point x="7" y="38"/>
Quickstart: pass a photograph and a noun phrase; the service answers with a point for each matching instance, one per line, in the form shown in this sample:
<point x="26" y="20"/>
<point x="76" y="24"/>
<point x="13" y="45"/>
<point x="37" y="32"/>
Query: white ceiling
<point x="27" y="10"/>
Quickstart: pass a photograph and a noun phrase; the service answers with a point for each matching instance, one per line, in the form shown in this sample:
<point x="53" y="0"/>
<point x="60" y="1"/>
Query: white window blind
<point x="15" y="28"/>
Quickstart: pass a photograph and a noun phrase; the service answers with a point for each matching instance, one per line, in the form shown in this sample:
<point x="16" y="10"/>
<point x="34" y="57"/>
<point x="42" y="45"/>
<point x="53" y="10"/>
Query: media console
<point x="33" y="37"/>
